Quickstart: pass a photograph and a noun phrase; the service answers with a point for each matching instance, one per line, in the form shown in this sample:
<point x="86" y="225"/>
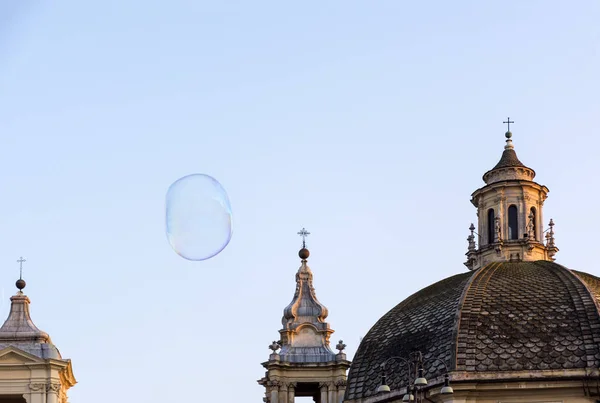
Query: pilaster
<point x="291" y="390"/>
<point x="274" y="387"/>
<point x="323" y="386"/>
<point x="37" y="392"/>
<point x="341" y="390"/>
<point x="332" y="392"/>
<point x="52" y="391"/>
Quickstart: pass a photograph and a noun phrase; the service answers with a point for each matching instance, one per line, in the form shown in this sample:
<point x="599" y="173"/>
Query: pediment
<point x="13" y="355"/>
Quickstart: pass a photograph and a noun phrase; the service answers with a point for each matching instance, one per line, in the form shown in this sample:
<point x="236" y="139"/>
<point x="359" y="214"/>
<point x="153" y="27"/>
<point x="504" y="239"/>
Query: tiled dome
<point x="507" y="317"/>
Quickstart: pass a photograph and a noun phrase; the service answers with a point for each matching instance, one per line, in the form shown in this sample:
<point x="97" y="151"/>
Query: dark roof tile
<point x="514" y="316"/>
<point x="509" y="159"/>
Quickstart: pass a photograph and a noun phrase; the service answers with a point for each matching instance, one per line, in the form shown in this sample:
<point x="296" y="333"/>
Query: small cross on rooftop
<point x="508" y="122"/>
<point x="20" y="261"/>
<point x="303" y="233"/>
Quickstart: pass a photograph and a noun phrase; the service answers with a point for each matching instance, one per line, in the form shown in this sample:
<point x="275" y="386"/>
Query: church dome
<point x="506" y="320"/>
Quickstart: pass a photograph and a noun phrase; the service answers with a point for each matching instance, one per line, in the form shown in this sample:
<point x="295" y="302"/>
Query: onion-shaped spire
<point x="305" y="307"/>
<point x="305" y="334"/>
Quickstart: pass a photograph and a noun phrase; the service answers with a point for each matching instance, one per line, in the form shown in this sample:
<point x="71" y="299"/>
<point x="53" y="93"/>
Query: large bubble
<point x="199" y="219"/>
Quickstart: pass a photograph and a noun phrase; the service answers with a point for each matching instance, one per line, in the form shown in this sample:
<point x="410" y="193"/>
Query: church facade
<point x="515" y="327"/>
<point x="32" y="369"/>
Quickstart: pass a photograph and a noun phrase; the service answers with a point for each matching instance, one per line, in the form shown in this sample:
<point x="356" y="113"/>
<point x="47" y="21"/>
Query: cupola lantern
<point x="509" y="211"/>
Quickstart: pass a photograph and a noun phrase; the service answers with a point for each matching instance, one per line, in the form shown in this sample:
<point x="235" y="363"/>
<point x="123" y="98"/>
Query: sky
<point x="368" y="123"/>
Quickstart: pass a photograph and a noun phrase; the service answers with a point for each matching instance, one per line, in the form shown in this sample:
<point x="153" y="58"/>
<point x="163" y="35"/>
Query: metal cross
<point x="508" y="121"/>
<point x="303" y="233"/>
<point x="20" y="261"/>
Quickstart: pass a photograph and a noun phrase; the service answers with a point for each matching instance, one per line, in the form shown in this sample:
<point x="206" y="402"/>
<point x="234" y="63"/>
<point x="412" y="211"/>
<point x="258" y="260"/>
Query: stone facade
<point x="31" y="367"/>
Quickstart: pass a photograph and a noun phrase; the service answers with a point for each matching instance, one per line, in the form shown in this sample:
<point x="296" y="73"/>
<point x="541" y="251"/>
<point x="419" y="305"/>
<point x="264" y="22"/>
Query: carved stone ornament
<point x="36" y="387"/>
<point x="276" y="345"/>
<point x="273" y="383"/>
<point x="341" y="383"/>
<point x="497" y="231"/>
<point x="53" y="387"/>
<point x="340" y="346"/>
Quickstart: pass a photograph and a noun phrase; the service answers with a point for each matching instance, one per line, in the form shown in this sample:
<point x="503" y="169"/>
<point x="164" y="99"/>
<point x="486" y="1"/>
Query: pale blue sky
<point x="369" y="123"/>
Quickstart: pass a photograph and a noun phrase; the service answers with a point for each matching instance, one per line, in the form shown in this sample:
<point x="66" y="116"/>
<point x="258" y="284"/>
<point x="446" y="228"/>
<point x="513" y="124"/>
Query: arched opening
<point x="490" y="225"/>
<point x="533" y="214"/>
<point x="513" y="223"/>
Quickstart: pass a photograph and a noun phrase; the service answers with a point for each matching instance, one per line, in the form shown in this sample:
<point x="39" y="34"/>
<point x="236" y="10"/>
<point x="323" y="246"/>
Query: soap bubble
<point x="199" y="220"/>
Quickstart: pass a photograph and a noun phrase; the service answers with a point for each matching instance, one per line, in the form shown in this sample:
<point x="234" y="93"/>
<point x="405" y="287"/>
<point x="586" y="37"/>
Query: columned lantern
<point x="510" y="215"/>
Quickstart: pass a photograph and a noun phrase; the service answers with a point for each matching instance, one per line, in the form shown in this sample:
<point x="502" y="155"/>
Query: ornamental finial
<point x="276" y="345"/>
<point x="340" y="346"/>
<point x="20" y="282"/>
<point x="550" y="245"/>
<point x="551" y="234"/>
<point x="471" y="238"/>
<point x="508" y="134"/>
<point x="304" y="253"/>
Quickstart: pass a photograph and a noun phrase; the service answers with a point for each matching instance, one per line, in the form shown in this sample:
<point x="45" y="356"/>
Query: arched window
<point x="490" y="226"/>
<point x="533" y="213"/>
<point x="513" y="223"/>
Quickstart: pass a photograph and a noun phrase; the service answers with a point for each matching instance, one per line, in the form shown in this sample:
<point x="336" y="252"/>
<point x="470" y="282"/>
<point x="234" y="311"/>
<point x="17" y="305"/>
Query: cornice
<point x="341" y="364"/>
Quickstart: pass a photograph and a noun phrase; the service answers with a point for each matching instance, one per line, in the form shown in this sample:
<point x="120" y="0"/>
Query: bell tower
<point x="509" y="212"/>
<point x="31" y="367"/>
<point x="302" y="363"/>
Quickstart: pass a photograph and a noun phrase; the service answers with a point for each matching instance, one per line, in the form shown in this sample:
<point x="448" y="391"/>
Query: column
<point x="38" y="393"/>
<point x="332" y="393"/>
<point x="274" y="391"/>
<point x="323" y="387"/>
<point x="52" y="390"/>
<point x="291" y="392"/>
<point x="341" y="390"/>
<point x="283" y="396"/>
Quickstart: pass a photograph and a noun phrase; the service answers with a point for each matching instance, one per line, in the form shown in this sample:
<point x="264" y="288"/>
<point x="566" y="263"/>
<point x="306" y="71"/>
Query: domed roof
<point x="19" y="331"/>
<point x="506" y="317"/>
